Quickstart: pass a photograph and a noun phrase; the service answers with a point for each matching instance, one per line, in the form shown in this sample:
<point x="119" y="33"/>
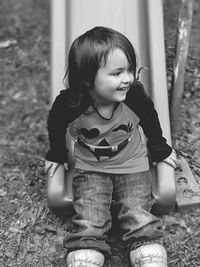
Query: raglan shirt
<point x="114" y="145"/>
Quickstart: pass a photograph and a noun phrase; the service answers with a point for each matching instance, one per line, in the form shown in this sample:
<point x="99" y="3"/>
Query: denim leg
<point x="133" y="196"/>
<point x="92" y="200"/>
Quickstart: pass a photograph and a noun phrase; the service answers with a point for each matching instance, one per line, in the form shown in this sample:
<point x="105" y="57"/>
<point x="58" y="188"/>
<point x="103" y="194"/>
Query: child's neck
<point x="105" y="111"/>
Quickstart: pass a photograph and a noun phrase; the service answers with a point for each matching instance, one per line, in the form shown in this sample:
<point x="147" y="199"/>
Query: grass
<point x="29" y="234"/>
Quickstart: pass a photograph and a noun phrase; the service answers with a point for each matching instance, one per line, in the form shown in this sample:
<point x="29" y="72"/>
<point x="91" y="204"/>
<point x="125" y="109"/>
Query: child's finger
<point x="173" y="151"/>
<point x="47" y="165"/>
<point x="171" y="162"/>
<point x="173" y="157"/>
<point x="66" y="166"/>
<point x="53" y="169"/>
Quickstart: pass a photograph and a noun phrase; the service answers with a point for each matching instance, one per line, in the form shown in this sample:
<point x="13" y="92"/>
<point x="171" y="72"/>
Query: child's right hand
<point x="51" y="167"/>
<point x="172" y="159"/>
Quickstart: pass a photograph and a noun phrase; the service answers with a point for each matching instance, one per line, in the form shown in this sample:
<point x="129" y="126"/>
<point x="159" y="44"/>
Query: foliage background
<point x="29" y="234"/>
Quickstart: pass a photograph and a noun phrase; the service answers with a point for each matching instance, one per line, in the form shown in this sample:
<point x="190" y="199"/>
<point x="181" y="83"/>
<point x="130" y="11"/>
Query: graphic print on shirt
<point x="105" y="139"/>
<point x="104" y="148"/>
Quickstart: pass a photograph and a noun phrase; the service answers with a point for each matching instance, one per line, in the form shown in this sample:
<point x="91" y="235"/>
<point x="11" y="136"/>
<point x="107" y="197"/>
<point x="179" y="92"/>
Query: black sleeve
<point x="57" y="124"/>
<point x="143" y="106"/>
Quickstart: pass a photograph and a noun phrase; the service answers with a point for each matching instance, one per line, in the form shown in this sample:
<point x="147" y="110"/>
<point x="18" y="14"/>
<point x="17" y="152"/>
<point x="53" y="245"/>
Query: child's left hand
<point x="172" y="159"/>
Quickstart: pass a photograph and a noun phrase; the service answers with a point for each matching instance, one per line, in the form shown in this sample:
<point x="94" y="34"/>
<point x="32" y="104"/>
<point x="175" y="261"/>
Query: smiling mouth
<point x="123" y="89"/>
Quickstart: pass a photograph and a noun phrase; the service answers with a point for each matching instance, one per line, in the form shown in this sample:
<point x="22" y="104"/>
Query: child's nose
<point x="127" y="77"/>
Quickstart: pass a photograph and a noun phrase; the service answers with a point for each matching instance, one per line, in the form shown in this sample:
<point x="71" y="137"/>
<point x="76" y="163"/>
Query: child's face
<point x="113" y="79"/>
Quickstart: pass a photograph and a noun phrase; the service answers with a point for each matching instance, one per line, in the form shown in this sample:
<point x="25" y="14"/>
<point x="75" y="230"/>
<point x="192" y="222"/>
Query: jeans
<point x="93" y="194"/>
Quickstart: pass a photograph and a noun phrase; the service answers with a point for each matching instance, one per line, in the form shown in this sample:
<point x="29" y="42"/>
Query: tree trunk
<point x="182" y="44"/>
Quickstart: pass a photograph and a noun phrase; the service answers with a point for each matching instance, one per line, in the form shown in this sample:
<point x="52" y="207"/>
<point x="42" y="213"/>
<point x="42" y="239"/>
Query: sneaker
<point x="85" y="258"/>
<point x="151" y="255"/>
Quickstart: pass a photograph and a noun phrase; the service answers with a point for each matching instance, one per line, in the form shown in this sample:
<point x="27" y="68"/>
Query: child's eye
<point x="116" y="74"/>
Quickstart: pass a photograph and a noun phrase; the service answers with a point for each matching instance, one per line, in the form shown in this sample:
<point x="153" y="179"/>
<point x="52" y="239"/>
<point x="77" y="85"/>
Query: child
<point x="103" y="108"/>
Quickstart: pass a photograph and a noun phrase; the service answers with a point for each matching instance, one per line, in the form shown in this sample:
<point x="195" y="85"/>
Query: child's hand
<point x="66" y="166"/>
<point x="51" y="167"/>
<point x="172" y="159"/>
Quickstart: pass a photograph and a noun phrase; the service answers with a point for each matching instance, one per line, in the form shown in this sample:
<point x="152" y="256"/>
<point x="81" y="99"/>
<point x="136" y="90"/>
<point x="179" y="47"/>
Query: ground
<point x="29" y="234"/>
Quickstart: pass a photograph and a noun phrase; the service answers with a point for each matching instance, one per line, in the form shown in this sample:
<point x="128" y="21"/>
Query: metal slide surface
<point x="142" y="22"/>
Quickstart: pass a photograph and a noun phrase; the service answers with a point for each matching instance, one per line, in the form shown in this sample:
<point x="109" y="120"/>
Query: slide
<point x="142" y="22"/>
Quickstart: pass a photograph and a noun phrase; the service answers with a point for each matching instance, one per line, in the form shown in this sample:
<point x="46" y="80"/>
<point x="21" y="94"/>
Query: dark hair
<point x="88" y="51"/>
